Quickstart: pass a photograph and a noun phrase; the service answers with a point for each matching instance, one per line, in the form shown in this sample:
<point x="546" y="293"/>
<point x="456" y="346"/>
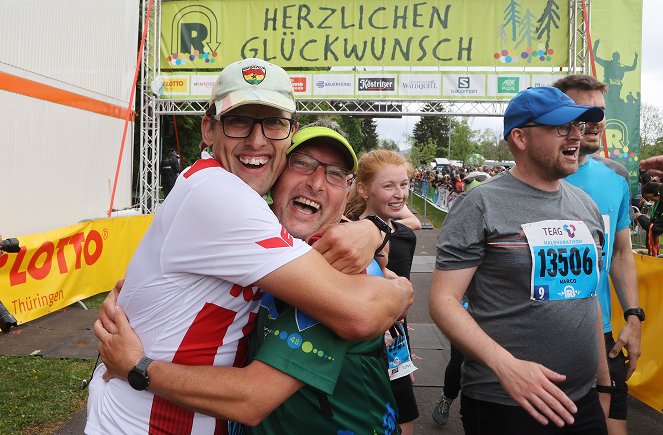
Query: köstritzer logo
<point x="570" y="230"/>
<point x="253" y="75"/>
<point x="463" y="82"/>
<point x="508" y="85"/>
<point x="377" y="84"/>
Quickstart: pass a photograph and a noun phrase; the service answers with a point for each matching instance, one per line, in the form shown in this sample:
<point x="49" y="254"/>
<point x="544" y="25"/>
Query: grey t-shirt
<point x="484" y="229"/>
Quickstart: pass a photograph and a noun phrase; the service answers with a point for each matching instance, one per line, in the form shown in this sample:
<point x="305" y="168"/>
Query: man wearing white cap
<point x="192" y="289"/>
<point x="525" y="247"/>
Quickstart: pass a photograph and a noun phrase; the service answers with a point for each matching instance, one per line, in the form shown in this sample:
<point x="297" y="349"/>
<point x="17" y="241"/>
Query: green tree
<point x="422" y="155"/>
<point x="307" y="118"/>
<point x="492" y="146"/>
<point x="351" y="125"/>
<point x="414" y="156"/>
<point x="434" y="129"/>
<point x="188" y="135"/>
<point x="370" y="135"/>
<point x="428" y="152"/>
<point x="462" y="140"/>
<point x="653" y="149"/>
<point x="389" y="144"/>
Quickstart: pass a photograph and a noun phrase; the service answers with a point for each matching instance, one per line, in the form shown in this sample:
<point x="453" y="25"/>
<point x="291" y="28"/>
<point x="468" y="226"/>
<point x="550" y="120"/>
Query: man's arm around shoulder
<point x="246" y="395"/>
<point x="356" y="307"/>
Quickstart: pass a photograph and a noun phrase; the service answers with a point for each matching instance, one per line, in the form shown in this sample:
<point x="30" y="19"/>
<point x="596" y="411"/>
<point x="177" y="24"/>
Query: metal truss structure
<point x="152" y="107"/>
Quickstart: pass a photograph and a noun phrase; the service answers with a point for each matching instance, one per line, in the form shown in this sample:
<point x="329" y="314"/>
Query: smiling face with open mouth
<point x="543" y="156"/>
<point x="591" y="140"/>
<point x="304" y="203"/>
<point x="258" y="161"/>
<point x="387" y="193"/>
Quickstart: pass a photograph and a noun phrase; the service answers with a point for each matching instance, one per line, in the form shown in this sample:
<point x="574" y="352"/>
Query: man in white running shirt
<point x="191" y="290"/>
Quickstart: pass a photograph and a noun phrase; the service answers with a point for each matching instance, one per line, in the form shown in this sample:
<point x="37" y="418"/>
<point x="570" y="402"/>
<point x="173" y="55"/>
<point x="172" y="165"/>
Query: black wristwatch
<point x="138" y="378"/>
<point x="637" y="311"/>
<point x="606" y="388"/>
<point x="382" y="226"/>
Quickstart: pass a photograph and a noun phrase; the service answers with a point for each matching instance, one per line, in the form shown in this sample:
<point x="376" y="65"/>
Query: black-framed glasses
<point x="239" y="127"/>
<point x="305" y="164"/>
<point x="564" y="129"/>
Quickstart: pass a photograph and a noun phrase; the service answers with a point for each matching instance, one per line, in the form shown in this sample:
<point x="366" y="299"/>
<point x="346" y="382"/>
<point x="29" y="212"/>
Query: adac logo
<point x="254" y="75"/>
<point x="570" y="230"/>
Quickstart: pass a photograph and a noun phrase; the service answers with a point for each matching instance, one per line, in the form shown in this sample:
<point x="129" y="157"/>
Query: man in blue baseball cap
<point x="525" y="247"/>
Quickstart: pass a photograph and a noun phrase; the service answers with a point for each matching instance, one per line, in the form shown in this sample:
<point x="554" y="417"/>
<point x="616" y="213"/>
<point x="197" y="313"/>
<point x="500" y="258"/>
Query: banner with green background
<point x="617" y="45"/>
<point x="209" y="34"/>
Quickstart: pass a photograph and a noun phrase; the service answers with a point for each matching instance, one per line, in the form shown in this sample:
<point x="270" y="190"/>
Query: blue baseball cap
<point x="546" y="106"/>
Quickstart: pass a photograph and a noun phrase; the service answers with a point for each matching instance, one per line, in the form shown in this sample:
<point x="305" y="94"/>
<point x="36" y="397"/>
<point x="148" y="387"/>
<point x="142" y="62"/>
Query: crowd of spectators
<point x="647" y="217"/>
<point x="443" y="185"/>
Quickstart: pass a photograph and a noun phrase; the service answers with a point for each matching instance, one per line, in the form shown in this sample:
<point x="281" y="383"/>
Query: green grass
<point x="434" y="216"/>
<point x="94" y="302"/>
<point x="39" y="394"/>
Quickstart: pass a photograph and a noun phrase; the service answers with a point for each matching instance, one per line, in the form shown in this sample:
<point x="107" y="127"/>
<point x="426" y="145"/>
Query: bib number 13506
<point x="559" y="261"/>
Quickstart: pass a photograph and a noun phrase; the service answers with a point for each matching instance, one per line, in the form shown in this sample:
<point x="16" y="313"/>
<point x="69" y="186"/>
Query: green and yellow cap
<point x="328" y="136"/>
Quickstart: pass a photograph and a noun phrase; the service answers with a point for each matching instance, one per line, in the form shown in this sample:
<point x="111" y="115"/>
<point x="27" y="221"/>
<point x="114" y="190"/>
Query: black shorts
<point x="405" y="400"/>
<point x="617" y="367"/>
<point x="487" y="418"/>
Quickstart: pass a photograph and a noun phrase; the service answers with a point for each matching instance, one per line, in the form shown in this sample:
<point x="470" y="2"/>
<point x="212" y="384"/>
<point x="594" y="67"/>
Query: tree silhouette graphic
<point x="501" y="35"/>
<point x="548" y="18"/>
<point x="527" y="31"/>
<point x="512" y="17"/>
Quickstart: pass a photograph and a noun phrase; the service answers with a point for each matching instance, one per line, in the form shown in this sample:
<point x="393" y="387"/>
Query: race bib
<point x="398" y="355"/>
<point x="564" y="260"/>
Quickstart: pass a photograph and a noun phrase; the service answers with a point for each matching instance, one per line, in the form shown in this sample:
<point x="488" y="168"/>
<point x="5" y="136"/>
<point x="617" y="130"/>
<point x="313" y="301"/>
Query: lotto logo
<point x="298" y="84"/>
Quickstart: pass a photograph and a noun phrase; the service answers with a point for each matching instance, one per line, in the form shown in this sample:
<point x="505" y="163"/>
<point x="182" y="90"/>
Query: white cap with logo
<point x="252" y="81"/>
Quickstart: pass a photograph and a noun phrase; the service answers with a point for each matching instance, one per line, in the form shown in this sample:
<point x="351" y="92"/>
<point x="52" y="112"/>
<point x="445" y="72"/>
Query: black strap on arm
<point x="325" y="407"/>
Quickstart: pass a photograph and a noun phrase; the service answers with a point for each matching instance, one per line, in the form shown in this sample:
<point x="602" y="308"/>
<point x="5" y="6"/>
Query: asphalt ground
<point x="68" y="333"/>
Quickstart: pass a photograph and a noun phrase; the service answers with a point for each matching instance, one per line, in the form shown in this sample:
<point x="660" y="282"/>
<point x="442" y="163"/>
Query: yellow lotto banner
<point x="647" y="382"/>
<point x="57" y="268"/>
<point x="210" y="34"/>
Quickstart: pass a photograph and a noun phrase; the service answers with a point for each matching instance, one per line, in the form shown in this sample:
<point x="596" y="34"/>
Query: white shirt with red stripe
<point x="189" y="294"/>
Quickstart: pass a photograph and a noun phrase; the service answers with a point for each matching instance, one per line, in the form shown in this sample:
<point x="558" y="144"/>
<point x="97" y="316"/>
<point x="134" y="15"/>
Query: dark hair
<point x="651" y="188"/>
<point x="581" y="82"/>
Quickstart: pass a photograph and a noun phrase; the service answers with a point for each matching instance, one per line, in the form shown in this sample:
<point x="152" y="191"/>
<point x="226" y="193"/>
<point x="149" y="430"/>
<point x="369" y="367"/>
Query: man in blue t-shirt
<point x="606" y="182"/>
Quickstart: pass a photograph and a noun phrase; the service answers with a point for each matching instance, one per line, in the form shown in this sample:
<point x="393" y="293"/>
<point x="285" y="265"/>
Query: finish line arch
<point x="160" y="64"/>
